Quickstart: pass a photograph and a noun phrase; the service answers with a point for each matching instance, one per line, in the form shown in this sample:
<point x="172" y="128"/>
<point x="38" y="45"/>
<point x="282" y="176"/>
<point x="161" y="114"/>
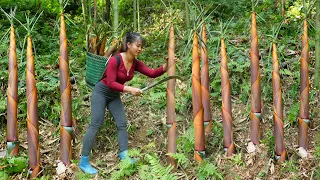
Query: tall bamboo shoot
<point x="12" y="133"/>
<point x="277" y="107"/>
<point x="255" y="114"/>
<point x="32" y="114"/>
<point x="304" y="90"/>
<point x="205" y="89"/>
<point x="65" y="91"/>
<point x="171" y="120"/>
<point x="226" y="102"/>
<point x="196" y="102"/>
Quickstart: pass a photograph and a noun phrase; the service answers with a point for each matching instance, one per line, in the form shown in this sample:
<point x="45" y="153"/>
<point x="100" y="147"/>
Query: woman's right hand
<point x="135" y="91"/>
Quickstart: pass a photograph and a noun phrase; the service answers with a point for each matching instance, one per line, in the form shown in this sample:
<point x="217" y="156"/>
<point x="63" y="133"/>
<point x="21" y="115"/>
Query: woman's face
<point x="135" y="48"/>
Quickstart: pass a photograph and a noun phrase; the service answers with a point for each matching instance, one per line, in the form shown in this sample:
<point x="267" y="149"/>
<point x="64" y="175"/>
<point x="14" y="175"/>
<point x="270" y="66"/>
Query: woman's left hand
<point x="165" y="66"/>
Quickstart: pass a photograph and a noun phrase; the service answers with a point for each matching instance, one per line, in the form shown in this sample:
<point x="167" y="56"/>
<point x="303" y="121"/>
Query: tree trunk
<point x="138" y="11"/>
<point x="134" y="15"/>
<point x="94" y="12"/>
<point x="115" y="17"/>
<point x="89" y="10"/>
<point x="283" y="4"/>
<point x="107" y="17"/>
<point x="317" y="66"/>
<point x="187" y="14"/>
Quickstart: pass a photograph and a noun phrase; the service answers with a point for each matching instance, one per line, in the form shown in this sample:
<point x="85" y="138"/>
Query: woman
<point x="106" y="93"/>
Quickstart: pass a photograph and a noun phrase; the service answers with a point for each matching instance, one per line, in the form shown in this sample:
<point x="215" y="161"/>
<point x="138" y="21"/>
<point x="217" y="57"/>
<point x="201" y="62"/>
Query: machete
<point x="157" y="83"/>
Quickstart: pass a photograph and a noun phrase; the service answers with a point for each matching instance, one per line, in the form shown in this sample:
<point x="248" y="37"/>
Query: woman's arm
<point x="132" y="90"/>
<point x="153" y="73"/>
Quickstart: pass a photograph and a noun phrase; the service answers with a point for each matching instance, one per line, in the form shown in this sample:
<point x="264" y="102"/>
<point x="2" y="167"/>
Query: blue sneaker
<point x="86" y="167"/>
<point x="124" y="155"/>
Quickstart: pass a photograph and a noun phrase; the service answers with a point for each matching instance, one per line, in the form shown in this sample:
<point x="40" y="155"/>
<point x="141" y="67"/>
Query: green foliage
<point x="12" y="165"/>
<point x="289" y="167"/>
<point x="3" y="175"/>
<point x="83" y="176"/>
<point x="293" y="113"/>
<point x="237" y="160"/>
<point x="126" y="168"/>
<point x="269" y="142"/>
<point x="208" y="171"/>
<point x="156" y="170"/>
<point x="181" y="159"/>
<point x="185" y="143"/>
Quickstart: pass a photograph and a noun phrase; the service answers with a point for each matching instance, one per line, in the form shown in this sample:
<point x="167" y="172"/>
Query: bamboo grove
<point x="202" y="119"/>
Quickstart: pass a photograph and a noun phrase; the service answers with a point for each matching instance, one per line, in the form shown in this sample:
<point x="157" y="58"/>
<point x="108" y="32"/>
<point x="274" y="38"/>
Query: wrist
<point x="164" y="67"/>
<point x="127" y="89"/>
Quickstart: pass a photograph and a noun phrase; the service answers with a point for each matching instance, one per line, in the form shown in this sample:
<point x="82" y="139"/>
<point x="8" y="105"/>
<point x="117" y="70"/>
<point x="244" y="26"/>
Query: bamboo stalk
<point x="226" y="102"/>
<point x="199" y="148"/>
<point x="12" y="108"/>
<point x="317" y="46"/>
<point x="205" y="89"/>
<point x="65" y="91"/>
<point x="171" y="120"/>
<point x="32" y="114"/>
<point x="283" y="4"/>
<point x="255" y="114"/>
<point x="304" y="90"/>
<point x="277" y="107"/>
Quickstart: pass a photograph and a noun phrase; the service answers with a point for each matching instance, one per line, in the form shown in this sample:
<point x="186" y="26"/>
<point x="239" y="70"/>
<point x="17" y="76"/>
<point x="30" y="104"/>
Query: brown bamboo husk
<point x="255" y="114"/>
<point x="103" y="45"/>
<point x="113" y="48"/>
<point x="12" y="108"/>
<point x="171" y="119"/>
<point x="32" y="114"/>
<point x="304" y="90"/>
<point x="226" y="102"/>
<point x="93" y="44"/>
<point x="98" y="44"/>
<point x="277" y="107"/>
<point x="196" y="102"/>
<point x="205" y="88"/>
<point x="65" y="91"/>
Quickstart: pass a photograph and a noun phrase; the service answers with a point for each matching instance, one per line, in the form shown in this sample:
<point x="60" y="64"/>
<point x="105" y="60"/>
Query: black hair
<point x="131" y="37"/>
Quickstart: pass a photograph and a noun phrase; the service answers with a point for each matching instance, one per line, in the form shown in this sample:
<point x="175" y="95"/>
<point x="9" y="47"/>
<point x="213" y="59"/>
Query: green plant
<point x="269" y="142"/>
<point x="237" y="160"/>
<point x="12" y="165"/>
<point x="181" y="159"/>
<point x="289" y="167"/>
<point x="126" y="168"/>
<point x="156" y="170"/>
<point x="185" y="143"/>
<point x="208" y="171"/>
